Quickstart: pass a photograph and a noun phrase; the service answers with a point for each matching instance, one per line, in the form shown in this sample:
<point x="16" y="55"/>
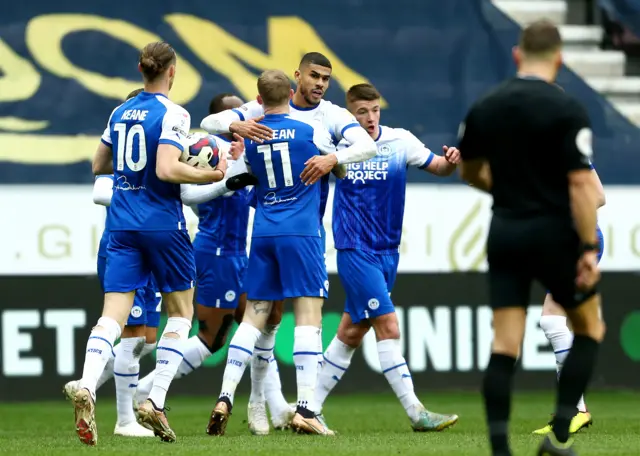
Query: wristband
<point x="588" y="247"/>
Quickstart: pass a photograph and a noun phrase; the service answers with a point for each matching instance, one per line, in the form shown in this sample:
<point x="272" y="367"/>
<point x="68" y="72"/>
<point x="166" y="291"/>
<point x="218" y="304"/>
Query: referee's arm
<point x="474" y="167"/>
<point x="583" y="192"/>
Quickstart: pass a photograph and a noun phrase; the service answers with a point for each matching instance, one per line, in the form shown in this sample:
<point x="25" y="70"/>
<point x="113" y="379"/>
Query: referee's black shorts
<point x="520" y="251"/>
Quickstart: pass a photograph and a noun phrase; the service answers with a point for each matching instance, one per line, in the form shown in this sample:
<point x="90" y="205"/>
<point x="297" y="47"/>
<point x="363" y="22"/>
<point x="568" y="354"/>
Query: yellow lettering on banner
<point x="289" y="38"/>
<point x="44" y="37"/>
<point x="61" y="242"/>
<point x="19" y="81"/>
<point x="47" y="149"/>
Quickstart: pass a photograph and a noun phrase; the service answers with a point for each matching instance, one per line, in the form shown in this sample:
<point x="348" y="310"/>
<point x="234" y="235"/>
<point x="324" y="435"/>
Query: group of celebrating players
<point x="283" y="147"/>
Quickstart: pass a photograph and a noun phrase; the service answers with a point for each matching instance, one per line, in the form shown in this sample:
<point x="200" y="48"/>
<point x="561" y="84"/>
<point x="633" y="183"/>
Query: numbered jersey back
<point x="285" y="205"/>
<point x="141" y="201"/>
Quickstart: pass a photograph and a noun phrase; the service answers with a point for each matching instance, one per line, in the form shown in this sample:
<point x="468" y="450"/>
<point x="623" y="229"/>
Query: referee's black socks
<point x="574" y="377"/>
<point x="496" y="389"/>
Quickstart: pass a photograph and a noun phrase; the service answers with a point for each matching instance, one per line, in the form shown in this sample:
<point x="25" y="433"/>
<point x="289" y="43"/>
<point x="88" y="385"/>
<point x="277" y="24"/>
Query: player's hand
<point x="222" y="166"/>
<point x="588" y="271"/>
<point x="237" y="146"/>
<point x="251" y="129"/>
<point x="451" y="154"/>
<point x="316" y="167"/>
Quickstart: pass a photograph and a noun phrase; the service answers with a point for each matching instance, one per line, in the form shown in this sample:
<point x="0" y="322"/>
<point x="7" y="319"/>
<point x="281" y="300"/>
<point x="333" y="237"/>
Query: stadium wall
<point x="51" y="296"/>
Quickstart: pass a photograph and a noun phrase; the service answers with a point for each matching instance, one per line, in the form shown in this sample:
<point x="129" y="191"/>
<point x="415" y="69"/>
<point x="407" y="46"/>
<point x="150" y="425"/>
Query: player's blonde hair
<point x="274" y="88"/>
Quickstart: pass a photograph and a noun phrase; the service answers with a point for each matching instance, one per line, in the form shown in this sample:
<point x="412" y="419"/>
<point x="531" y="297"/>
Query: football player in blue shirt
<point x="287" y="255"/>
<point x="368" y="211"/>
<point x="141" y="146"/>
<point x="221" y="262"/>
<point x="312" y="78"/>
<point x="138" y="337"/>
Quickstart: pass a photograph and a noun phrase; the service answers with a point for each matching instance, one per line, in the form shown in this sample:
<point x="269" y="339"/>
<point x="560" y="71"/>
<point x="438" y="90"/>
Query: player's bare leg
<point x="99" y="348"/>
<point x="308" y="314"/>
<point x="554" y="324"/>
<point x="240" y="351"/>
<point x="168" y="358"/>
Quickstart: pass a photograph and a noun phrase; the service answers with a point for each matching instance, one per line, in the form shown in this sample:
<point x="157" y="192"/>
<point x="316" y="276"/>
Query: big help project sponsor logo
<point x="445" y="230"/>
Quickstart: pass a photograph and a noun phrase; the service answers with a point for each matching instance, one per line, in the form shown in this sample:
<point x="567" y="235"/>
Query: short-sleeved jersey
<point x="368" y="204"/>
<point x="285" y="205"/>
<point x="335" y="119"/>
<point x="225" y="219"/>
<point x="532" y="134"/>
<point x="141" y="201"/>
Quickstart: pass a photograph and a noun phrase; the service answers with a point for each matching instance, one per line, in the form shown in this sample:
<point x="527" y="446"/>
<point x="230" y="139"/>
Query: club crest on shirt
<point x="384" y="150"/>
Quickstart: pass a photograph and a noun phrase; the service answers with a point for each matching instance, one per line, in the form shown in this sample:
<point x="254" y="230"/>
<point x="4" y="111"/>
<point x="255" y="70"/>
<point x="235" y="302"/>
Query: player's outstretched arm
<point x="362" y="148"/>
<point x="103" y="190"/>
<point x="242" y="121"/>
<point x="445" y="164"/>
<point x="169" y="168"/>
<point x="192" y="195"/>
<point x="102" y="160"/>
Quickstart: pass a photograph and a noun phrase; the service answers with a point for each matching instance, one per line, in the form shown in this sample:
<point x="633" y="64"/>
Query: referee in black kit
<point x="528" y="144"/>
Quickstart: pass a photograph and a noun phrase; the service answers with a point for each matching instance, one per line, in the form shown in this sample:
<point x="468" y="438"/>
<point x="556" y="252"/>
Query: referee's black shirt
<point x="533" y="134"/>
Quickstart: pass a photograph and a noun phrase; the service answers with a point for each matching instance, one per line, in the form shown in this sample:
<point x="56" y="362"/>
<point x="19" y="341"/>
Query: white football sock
<point x="305" y="357"/>
<point x="99" y="350"/>
<point x="168" y="358"/>
<point x="107" y="373"/>
<point x="337" y="359"/>
<point x="320" y="352"/>
<point x="126" y="371"/>
<point x="148" y="348"/>
<point x="146" y="383"/>
<point x="262" y="354"/>
<point x="394" y="367"/>
<point x="144" y="386"/>
<point x="557" y="332"/>
<point x="240" y="351"/>
<point x="276" y="401"/>
<point x="195" y="352"/>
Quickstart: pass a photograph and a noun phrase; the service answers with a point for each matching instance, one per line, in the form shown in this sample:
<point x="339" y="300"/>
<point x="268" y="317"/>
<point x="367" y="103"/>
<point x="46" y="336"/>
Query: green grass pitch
<point x="366" y="425"/>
